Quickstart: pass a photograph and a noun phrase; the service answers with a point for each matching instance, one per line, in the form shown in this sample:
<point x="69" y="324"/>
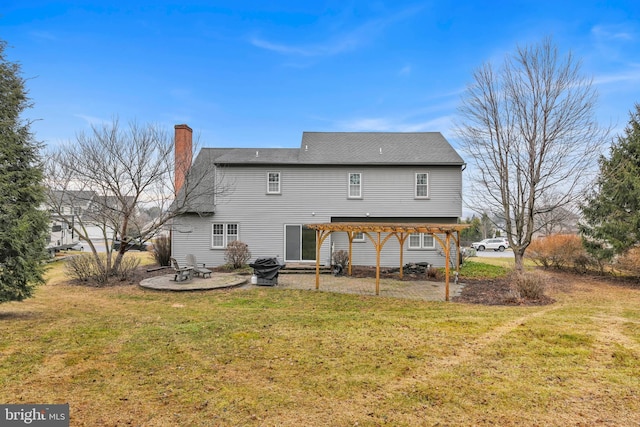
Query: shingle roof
<point x="254" y="155"/>
<point x="366" y="148"/>
<point x="377" y="148"/>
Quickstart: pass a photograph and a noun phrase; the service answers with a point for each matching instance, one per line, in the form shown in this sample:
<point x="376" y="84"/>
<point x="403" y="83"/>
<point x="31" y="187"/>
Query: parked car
<point x="132" y="245"/>
<point x="497" y="244"/>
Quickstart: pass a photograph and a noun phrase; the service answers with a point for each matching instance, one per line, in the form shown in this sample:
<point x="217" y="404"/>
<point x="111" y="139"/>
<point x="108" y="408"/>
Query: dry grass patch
<point x="263" y="356"/>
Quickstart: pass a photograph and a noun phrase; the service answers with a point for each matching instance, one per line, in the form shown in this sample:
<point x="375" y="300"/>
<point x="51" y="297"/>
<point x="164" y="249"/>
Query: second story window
<point x="273" y="182"/>
<point x="355" y="185"/>
<point x="422" y="185"/>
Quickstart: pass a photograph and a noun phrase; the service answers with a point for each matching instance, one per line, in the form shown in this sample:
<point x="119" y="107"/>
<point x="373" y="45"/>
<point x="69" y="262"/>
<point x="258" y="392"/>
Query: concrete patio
<point x="216" y="281"/>
<point x="417" y="290"/>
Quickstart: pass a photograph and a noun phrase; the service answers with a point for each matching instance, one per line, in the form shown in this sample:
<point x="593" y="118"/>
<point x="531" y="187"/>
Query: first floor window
<point x="422" y="241"/>
<point x="223" y="234"/>
<point x="232" y="233"/>
<point x="358" y="236"/>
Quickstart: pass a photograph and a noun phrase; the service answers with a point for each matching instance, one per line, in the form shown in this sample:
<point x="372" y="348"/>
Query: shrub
<point x="162" y="250"/>
<point x="527" y="286"/>
<point x="341" y="259"/>
<point x="629" y="262"/>
<point x="237" y="254"/>
<point x="558" y="251"/>
<point x="85" y="267"/>
<point x="434" y="273"/>
<point x="127" y="266"/>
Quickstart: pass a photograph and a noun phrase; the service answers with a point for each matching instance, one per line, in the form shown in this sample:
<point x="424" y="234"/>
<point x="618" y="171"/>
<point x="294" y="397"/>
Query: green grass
<point x="480" y="270"/>
<point x="268" y="356"/>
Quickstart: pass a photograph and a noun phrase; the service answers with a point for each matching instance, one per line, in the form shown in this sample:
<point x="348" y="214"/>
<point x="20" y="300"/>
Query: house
<point x="65" y="209"/>
<point x="75" y="212"/>
<point x="271" y="193"/>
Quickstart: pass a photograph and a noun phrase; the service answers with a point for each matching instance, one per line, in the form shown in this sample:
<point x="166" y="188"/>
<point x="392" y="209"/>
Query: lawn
<point x="271" y="357"/>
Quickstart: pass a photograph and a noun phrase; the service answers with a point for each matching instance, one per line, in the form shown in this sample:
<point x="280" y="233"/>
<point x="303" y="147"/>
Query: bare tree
<point x="109" y="174"/>
<point x="529" y="128"/>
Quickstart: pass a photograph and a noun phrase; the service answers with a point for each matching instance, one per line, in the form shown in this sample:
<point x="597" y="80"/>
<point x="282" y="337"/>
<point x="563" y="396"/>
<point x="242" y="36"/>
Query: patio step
<point x="294" y="268"/>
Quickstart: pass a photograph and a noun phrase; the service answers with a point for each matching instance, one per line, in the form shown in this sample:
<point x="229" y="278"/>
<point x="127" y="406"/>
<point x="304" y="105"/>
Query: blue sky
<point x="259" y="73"/>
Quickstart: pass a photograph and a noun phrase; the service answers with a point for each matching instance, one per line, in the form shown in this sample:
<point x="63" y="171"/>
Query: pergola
<point x="401" y="231"/>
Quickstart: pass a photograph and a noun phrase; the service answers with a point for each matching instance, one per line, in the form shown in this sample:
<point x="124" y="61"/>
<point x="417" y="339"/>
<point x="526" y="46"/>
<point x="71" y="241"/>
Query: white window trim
<point x="349" y="196"/>
<point x="279" y="182"/>
<point x="421" y="246"/>
<point x="225" y="236"/>
<point x="415" y="185"/>
<point x="356" y="239"/>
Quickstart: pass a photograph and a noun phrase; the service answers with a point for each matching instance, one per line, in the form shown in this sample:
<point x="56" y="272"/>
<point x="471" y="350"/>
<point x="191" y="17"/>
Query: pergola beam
<point x="401" y="231"/>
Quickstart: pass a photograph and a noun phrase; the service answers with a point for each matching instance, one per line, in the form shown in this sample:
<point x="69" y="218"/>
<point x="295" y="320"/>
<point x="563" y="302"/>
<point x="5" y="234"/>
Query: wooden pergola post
<point x="378" y="250"/>
<point x="447" y="256"/>
<point x="318" y="246"/>
<point x="321" y="236"/>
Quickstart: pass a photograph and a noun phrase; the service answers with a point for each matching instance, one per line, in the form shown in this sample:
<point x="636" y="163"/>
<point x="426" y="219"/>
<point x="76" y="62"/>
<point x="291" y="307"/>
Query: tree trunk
<point x="518" y="254"/>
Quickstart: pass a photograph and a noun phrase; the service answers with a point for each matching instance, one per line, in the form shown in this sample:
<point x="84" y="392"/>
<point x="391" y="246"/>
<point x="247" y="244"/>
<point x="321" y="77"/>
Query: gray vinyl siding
<point x="316" y="194"/>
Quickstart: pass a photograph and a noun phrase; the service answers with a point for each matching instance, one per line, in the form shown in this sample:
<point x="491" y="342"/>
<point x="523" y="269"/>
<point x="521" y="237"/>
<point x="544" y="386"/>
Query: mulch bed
<point x="495" y="292"/>
<point x="485" y="292"/>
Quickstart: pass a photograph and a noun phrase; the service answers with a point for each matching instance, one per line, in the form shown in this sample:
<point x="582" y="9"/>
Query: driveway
<point x="495" y="254"/>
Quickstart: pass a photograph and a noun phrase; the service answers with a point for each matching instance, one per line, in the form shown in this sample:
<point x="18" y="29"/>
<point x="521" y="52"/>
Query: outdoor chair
<point x="193" y="263"/>
<point x="181" y="273"/>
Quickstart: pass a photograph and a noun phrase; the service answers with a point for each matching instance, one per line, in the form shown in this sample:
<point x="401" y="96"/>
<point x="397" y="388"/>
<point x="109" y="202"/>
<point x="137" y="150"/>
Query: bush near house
<point x="237" y="254"/>
<point x="162" y="250"/>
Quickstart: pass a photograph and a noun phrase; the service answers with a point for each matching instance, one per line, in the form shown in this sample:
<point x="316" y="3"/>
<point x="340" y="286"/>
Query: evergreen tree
<point x="612" y="212"/>
<point x="23" y="226"/>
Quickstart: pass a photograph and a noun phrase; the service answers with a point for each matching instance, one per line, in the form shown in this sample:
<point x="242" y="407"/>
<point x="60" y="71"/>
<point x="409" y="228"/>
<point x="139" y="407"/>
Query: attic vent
<point x="306" y="148"/>
<point x="380" y="150"/>
<point x="257" y="153"/>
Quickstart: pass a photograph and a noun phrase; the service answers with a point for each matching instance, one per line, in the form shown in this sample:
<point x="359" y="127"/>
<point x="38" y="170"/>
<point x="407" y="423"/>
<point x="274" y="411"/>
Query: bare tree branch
<point x="115" y="172"/>
<point x="530" y="130"/>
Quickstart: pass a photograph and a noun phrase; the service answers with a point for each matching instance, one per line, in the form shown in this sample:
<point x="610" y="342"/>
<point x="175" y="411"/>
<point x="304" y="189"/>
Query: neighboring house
<point x="70" y="208"/>
<point x="333" y="177"/>
<point x="65" y="210"/>
<point x="104" y="214"/>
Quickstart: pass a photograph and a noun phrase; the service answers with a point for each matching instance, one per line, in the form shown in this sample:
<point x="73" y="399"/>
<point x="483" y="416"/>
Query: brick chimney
<point x="184" y="153"/>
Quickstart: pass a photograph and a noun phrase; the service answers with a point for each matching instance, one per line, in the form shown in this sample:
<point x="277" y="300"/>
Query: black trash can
<point x="266" y="270"/>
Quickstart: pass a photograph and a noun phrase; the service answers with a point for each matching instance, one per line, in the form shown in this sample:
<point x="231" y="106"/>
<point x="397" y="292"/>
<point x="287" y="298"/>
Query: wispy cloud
<point x="92" y="120"/>
<point x="620" y="77"/>
<point x="405" y="71"/>
<point x="391" y="124"/>
<point x="43" y="35"/>
<point x="612" y="42"/>
<point x="330" y="48"/>
<point x="340" y="43"/>
<point x="613" y="32"/>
